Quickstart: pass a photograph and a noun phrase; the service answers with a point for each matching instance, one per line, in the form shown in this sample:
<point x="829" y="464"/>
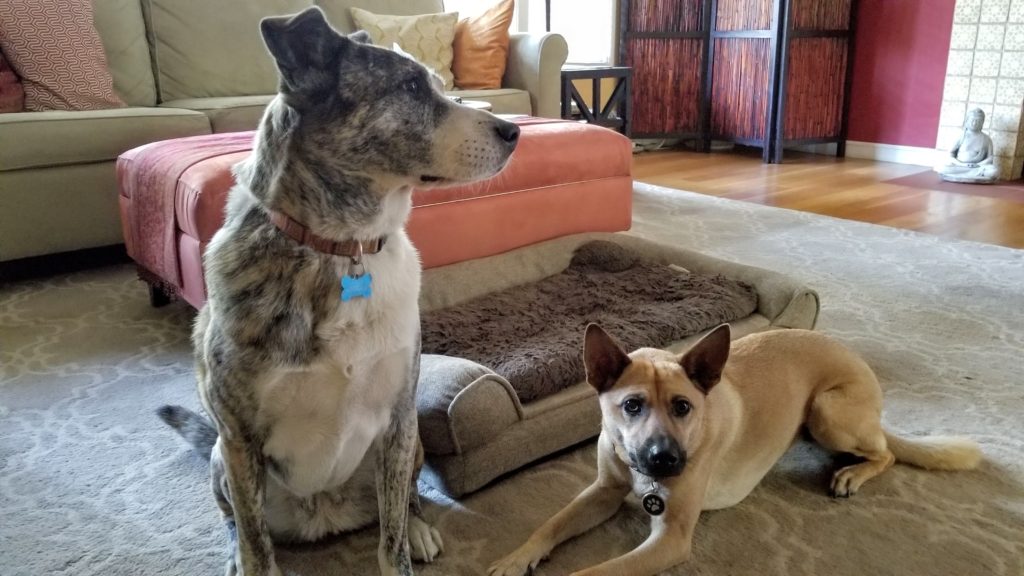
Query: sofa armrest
<point x="535" y="65"/>
<point x="785" y="302"/>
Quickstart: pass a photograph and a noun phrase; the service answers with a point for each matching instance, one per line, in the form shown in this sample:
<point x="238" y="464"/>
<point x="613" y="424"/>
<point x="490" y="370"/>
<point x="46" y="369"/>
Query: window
<point x="466" y="8"/>
<point x="588" y="25"/>
<point x="470" y="8"/>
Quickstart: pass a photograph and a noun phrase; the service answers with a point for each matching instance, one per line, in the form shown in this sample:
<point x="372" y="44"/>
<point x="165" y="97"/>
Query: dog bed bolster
<point x="462" y="404"/>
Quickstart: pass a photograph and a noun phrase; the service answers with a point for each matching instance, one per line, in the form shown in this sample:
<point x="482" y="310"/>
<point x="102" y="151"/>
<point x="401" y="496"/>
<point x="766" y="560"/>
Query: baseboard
<point x="823" y="149"/>
<point x="875" y="151"/>
<point x="891" y="153"/>
<point x="61" y="263"/>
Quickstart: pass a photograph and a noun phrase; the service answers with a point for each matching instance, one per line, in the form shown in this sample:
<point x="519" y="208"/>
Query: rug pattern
<point x="91" y="483"/>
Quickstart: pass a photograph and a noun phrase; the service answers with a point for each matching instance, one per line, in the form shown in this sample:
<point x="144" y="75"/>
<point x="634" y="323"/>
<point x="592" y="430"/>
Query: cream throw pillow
<point x="428" y="38"/>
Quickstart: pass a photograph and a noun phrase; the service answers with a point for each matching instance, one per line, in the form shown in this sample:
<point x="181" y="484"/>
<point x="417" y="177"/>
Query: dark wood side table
<point x="616" y="112"/>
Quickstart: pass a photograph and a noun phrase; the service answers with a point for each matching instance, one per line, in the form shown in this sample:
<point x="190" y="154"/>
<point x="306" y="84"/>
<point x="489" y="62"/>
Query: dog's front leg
<point x="592" y="507"/>
<point x="671" y="536"/>
<point x="396" y="459"/>
<point x="254" y="555"/>
<point x="225" y="392"/>
<point x="668" y="545"/>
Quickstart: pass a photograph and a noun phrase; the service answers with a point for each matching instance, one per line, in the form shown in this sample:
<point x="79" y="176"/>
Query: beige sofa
<point x="186" y="68"/>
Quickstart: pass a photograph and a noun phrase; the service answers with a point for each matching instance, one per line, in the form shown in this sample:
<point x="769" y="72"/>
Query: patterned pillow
<point x="12" y="95"/>
<point x="55" y="49"/>
<point x="427" y="38"/>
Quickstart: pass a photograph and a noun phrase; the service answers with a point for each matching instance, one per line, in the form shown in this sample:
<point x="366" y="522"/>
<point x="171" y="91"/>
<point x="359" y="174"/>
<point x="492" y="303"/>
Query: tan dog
<point x="692" y="433"/>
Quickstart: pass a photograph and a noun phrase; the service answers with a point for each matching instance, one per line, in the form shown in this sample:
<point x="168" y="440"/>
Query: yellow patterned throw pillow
<point x="428" y="38"/>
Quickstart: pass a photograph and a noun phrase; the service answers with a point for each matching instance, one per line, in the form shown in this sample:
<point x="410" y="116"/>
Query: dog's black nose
<point x="507" y="131"/>
<point x="664" y="458"/>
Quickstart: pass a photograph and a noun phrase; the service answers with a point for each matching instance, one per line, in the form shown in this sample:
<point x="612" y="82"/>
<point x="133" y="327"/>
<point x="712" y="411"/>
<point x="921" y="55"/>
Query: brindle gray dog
<point x="311" y="383"/>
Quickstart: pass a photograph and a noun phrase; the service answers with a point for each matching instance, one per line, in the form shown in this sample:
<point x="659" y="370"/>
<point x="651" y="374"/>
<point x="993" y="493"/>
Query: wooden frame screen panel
<point x="742" y="15"/>
<point x="814" y="92"/>
<point x="653" y="16"/>
<point x="665" y="42"/>
<point x="666" y="85"/>
<point x="744" y="41"/>
<point x="766" y="73"/>
<point x="814" y="81"/>
<point x="740" y="90"/>
<point x="820" y="14"/>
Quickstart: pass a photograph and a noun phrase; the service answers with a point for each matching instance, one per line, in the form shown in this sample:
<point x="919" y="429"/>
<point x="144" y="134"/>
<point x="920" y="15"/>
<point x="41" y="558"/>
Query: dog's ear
<point x="603" y="357"/>
<point x="704" y="362"/>
<point x="360" y="37"/>
<point x="304" y="46"/>
<point x="398" y="50"/>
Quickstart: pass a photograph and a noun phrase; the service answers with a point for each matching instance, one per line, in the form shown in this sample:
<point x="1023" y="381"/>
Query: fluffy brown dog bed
<point x="532" y="334"/>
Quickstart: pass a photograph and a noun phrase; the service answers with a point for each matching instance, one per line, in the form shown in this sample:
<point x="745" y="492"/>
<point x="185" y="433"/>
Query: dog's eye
<point x="632" y="406"/>
<point x="411" y="86"/>
<point x="681" y="407"/>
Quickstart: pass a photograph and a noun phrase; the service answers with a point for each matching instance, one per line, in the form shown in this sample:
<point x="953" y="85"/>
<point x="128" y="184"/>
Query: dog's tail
<point x="194" y="428"/>
<point x="935" y="452"/>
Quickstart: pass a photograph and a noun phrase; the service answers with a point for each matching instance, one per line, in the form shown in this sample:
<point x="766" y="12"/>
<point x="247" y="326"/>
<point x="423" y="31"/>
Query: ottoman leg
<point x="158" y="297"/>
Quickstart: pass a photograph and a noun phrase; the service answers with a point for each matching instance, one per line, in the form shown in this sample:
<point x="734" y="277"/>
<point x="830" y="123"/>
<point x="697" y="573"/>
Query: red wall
<point x="899" y="69"/>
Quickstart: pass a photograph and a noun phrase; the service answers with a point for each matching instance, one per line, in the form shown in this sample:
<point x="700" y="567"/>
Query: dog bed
<point x="474" y="425"/>
<point x="531" y="334"/>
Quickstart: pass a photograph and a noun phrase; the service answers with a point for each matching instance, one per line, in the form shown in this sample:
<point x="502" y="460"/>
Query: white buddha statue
<point x="972" y="158"/>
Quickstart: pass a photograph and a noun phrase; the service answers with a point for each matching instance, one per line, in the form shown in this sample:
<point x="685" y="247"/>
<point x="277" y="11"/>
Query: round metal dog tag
<point x="653" y="503"/>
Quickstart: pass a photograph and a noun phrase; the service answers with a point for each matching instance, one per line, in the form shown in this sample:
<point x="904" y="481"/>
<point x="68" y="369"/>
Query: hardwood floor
<point x="844" y="188"/>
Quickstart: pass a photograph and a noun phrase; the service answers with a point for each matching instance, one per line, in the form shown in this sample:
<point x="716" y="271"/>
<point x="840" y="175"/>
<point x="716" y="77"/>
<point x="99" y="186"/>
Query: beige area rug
<point x="92" y="484"/>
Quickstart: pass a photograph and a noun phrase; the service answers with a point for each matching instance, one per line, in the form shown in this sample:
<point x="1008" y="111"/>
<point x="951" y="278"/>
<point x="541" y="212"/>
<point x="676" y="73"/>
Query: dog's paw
<point x="845" y="482"/>
<point x="233" y="569"/>
<point x="424" y="540"/>
<point x="518" y="563"/>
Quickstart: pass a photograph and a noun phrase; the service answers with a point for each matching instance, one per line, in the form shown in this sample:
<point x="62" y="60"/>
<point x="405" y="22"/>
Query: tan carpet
<point x="91" y="483"/>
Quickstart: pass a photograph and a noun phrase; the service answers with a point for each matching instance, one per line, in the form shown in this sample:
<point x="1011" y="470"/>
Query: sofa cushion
<point x="502" y="100"/>
<point x="42" y="139"/>
<point x="200" y="49"/>
<point x="481" y="48"/>
<point x="55" y="49"/>
<point x="339" y="15"/>
<point x="229" y="113"/>
<point x="123" y="32"/>
<point x="426" y="37"/>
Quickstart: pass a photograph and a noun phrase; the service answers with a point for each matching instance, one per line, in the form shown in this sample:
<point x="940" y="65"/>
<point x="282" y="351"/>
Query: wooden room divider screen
<point x="766" y="73"/>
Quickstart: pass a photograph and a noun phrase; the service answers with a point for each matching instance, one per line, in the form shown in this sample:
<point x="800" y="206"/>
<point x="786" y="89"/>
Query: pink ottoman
<point x="564" y="178"/>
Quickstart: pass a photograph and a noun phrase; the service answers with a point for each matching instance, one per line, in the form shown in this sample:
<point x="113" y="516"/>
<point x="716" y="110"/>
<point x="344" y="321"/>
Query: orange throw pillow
<point x="481" y="48"/>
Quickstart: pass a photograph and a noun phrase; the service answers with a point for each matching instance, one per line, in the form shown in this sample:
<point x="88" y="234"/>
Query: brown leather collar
<point x="297" y="231"/>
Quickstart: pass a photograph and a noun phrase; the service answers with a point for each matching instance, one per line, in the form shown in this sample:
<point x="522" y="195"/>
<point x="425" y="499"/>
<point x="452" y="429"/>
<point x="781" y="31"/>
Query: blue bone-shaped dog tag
<point x="356" y="287"/>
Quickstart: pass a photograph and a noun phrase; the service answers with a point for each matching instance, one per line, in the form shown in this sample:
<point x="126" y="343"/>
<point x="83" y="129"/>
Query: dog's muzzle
<point x="661" y="457"/>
